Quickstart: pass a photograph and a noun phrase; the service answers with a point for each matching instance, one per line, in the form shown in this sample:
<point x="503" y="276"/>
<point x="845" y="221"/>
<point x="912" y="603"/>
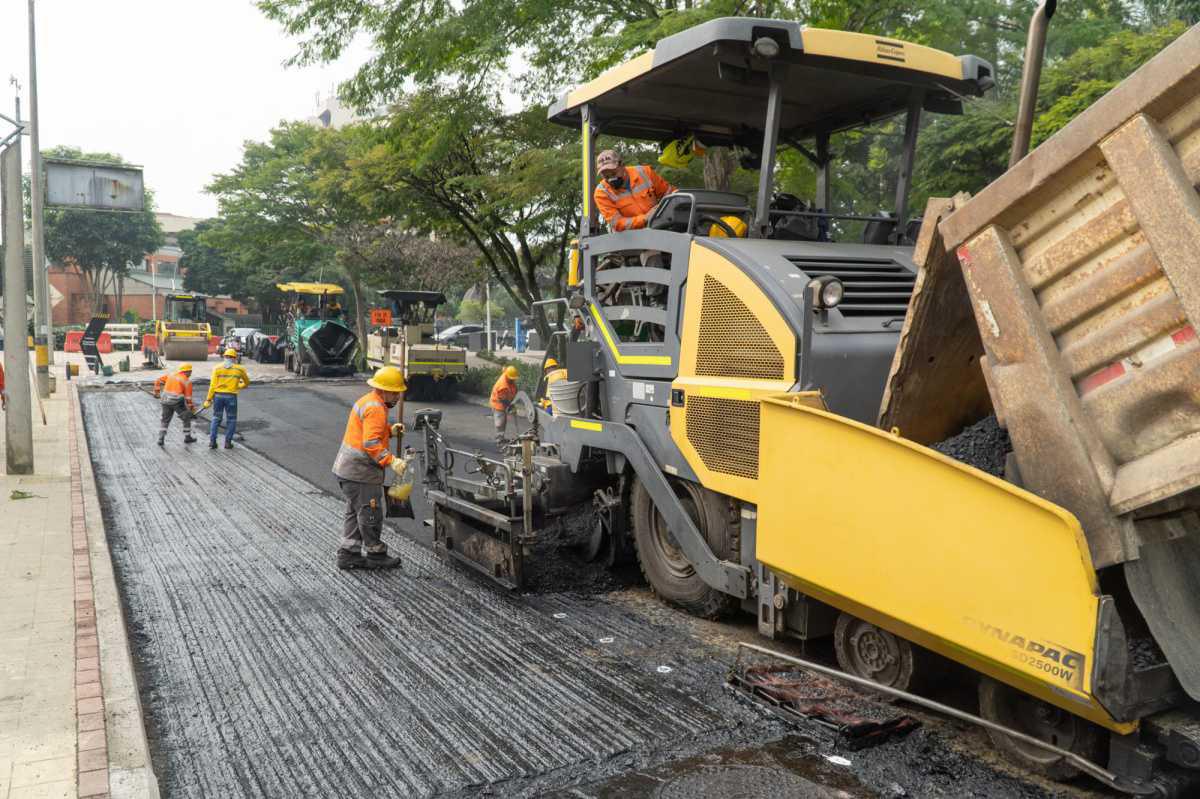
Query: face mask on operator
<point x="616" y="181"/>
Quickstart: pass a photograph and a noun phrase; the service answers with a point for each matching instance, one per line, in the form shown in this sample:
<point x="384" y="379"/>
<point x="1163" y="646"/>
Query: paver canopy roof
<point x="310" y="288"/>
<point x="707" y="80"/>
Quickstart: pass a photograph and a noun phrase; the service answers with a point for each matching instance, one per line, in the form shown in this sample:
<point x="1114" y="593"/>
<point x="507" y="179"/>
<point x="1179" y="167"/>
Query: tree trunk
<point x="360" y="324"/>
<point x="719" y="166"/>
<point x="120" y="297"/>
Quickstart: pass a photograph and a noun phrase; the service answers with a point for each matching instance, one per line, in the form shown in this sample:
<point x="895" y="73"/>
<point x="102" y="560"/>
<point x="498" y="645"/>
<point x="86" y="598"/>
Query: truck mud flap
<point x="1165" y="583"/>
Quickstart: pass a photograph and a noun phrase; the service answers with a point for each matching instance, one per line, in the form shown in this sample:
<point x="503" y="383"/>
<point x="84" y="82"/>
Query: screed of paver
<point x="266" y="672"/>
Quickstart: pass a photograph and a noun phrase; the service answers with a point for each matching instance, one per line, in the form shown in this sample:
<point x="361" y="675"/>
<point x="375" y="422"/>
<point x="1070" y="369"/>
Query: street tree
<point x="101" y="245"/>
<point x="452" y="163"/>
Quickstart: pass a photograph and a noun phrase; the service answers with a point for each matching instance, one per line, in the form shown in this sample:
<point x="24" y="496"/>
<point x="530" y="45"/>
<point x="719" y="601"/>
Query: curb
<point x="114" y="754"/>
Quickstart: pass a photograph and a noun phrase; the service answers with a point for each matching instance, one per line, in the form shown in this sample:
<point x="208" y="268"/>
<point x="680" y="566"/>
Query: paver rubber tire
<point x="663" y="563"/>
<point x="1015" y="709"/>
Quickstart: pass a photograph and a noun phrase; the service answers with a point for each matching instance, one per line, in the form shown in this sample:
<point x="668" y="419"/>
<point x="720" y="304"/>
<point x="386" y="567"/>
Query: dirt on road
<point x="265" y="672"/>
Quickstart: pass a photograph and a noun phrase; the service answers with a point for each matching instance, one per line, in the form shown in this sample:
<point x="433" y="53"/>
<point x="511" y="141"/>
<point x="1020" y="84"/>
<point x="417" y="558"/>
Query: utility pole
<point x="487" y="314"/>
<point x="18" y="418"/>
<point x="43" y="335"/>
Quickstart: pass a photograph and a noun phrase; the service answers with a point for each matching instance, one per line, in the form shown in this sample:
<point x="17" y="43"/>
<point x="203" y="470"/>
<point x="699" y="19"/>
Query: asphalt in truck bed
<point x="265" y="672"/>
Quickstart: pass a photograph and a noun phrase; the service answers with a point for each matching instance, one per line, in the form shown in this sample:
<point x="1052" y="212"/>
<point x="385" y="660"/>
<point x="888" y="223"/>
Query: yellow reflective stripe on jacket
<point x="227" y="380"/>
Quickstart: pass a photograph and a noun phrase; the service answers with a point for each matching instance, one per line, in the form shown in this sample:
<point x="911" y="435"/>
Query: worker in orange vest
<point x="504" y="390"/>
<point x="626" y="194"/>
<point x="174" y="392"/>
<point x="360" y="466"/>
<point x="3" y="393"/>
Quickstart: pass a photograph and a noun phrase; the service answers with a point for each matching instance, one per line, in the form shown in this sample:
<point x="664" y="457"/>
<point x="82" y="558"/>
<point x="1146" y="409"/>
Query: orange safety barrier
<point x="74" y="337"/>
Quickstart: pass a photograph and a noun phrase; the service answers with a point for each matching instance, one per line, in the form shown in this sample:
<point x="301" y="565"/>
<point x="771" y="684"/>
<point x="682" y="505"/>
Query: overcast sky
<point x="173" y="85"/>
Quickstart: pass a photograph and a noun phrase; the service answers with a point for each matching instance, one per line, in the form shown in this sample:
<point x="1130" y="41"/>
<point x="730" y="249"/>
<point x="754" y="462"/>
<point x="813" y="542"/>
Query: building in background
<point x="148" y="281"/>
<point x="332" y="113"/>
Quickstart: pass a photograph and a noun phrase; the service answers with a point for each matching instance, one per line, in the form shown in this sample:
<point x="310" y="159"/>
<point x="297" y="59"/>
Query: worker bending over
<point x="626" y="194"/>
<point x="174" y="391"/>
<point x="504" y="390"/>
<point x="227" y="380"/>
<point x="360" y="466"/>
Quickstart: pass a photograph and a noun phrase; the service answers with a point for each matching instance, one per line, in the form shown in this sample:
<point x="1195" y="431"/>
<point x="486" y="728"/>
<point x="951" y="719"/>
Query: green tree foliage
<point x="209" y="270"/>
<point x="100" y="244"/>
<point x="454" y="164"/>
<point x="450" y="161"/>
<point x="967" y="152"/>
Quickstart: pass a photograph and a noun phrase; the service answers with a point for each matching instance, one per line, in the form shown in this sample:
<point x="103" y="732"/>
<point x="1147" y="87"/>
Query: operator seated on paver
<point x="504" y="390"/>
<point x="551" y="373"/>
<point x="174" y="392"/>
<point x="361" y="463"/>
<point x="227" y="380"/>
<point x="625" y="195"/>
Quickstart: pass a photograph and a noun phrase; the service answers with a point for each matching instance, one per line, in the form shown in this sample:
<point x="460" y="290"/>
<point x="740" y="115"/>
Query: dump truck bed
<point x="1082" y="268"/>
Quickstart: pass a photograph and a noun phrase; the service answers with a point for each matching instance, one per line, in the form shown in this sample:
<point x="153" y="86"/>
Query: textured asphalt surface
<point x="265" y="672"/>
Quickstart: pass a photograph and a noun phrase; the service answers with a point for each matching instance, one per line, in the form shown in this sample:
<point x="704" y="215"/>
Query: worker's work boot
<point x="212" y="444"/>
<point x="381" y="560"/>
<point x="189" y="439"/>
<point x="350" y="560"/>
<point x="228" y="445"/>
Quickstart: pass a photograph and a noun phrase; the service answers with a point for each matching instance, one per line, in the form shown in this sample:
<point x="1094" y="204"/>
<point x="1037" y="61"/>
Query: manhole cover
<point x="741" y="782"/>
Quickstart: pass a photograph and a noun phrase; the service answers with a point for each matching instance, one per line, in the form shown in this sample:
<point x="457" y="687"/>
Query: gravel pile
<point x="984" y="445"/>
<point x="1144" y="653"/>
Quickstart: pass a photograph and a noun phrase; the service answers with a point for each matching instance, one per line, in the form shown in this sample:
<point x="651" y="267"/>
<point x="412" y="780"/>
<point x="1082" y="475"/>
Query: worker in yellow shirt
<point x="227" y="380"/>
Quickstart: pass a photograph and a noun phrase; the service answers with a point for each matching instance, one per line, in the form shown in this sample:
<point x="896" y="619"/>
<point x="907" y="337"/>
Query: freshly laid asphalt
<point x="265" y="672"/>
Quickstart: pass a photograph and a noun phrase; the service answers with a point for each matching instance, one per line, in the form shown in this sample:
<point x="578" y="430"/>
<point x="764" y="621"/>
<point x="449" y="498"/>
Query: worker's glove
<point x="206" y="404"/>
<point x="639" y="222"/>
<point x="398" y="429"/>
<point x="399" y="465"/>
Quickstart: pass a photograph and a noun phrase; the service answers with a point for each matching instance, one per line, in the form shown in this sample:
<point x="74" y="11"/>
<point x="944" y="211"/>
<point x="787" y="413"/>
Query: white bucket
<point x="564" y="396"/>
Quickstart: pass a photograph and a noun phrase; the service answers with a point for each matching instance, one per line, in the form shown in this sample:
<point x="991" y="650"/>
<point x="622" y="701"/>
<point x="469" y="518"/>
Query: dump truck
<point x="752" y="420"/>
<point x="431" y="369"/>
<point x="317" y="341"/>
<point x="183" y="332"/>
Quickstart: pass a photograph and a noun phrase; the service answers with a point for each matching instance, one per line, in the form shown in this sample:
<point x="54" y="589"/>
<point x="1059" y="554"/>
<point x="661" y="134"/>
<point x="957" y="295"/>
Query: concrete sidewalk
<point x="70" y="723"/>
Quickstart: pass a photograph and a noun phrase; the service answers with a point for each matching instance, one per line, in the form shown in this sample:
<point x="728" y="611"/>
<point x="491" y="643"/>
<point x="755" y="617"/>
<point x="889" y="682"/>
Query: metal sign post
<point x="18" y="418"/>
<point x="43" y="329"/>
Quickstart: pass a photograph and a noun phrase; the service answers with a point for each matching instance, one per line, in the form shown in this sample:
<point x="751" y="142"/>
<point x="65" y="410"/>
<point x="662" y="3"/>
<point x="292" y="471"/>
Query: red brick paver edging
<point x="91" y="744"/>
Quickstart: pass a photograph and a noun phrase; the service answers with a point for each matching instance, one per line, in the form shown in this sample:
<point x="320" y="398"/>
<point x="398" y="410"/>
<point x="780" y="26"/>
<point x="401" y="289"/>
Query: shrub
<point x="480" y="379"/>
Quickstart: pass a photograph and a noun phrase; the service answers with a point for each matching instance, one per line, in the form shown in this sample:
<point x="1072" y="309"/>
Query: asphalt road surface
<point x="265" y="672"/>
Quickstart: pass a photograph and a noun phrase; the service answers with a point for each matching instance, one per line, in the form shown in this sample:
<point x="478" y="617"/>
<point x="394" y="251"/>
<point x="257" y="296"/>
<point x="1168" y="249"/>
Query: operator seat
<point x="673" y="211"/>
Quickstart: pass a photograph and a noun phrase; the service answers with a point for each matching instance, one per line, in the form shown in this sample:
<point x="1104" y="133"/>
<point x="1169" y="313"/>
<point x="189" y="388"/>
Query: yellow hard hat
<point x="736" y="223"/>
<point x="511" y="372"/>
<point x="185" y="367"/>
<point x="550" y="364"/>
<point x="388" y="378"/>
<point x="230" y="352"/>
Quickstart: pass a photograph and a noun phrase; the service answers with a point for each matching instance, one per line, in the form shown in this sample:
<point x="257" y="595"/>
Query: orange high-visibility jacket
<point x="502" y="393"/>
<point x="626" y="209"/>
<point x="364" y="452"/>
<point x="172" y="388"/>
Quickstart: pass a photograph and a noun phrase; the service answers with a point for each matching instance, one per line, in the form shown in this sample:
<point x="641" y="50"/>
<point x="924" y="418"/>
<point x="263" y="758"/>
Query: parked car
<point x="457" y="334"/>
